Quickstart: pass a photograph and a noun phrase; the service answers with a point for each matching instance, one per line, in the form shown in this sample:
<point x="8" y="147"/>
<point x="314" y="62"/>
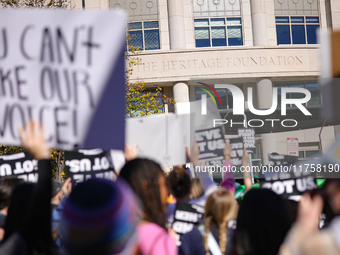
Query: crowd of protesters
<point x="132" y="215"/>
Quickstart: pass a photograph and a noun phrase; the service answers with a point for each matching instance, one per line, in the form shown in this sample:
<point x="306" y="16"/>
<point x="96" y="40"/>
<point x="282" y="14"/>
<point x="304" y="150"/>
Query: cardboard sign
<point x="21" y="165"/>
<point x="63" y="69"/>
<point x="248" y="135"/>
<point x="293" y="146"/>
<point x="237" y="151"/>
<point x="82" y="165"/>
<point x="210" y="143"/>
<point x="162" y="137"/>
<point x="185" y="218"/>
<point x="284" y="178"/>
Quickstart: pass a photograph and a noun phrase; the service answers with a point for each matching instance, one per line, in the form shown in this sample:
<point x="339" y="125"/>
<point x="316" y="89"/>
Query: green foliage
<point x="141" y="101"/>
<point x="10" y="149"/>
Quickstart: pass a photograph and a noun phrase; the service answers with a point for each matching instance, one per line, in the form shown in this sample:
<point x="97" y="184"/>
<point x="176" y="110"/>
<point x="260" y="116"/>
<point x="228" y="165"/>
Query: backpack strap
<point x="212" y="244"/>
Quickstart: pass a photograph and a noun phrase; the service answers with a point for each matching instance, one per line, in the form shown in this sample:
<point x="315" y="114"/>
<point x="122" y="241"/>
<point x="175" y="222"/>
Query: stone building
<point x="262" y="44"/>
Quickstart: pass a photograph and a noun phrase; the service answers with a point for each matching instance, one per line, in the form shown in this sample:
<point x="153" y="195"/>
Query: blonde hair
<point x="196" y="189"/>
<point x="220" y="208"/>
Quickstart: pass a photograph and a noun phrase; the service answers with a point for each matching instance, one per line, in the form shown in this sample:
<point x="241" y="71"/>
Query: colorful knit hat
<point x="100" y="217"/>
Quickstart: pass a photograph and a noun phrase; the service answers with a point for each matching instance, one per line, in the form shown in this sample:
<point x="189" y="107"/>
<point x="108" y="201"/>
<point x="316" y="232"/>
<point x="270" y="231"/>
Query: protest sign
<point x="21" y="165"/>
<point x="66" y="71"/>
<point x="248" y="135"/>
<point x="186" y="216"/>
<point x="82" y="165"/>
<point x="285" y="178"/>
<point x="236" y="151"/>
<point x="210" y="143"/>
<point x="162" y="137"/>
<point x="293" y="146"/>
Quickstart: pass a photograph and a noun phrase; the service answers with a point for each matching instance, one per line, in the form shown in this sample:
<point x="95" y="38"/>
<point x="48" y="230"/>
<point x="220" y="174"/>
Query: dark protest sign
<point x="82" y="165"/>
<point x="236" y="151"/>
<point x="210" y="143"/>
<point x="285" y="178"/>
<point x="186" y="217"/>
<point x="21" y="165"/>
<point x="248" y="135"/>
<point x="65" y="70"/>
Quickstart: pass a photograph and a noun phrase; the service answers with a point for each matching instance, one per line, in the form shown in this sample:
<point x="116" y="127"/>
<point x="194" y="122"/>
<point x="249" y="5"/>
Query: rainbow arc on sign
<point x="209" y="93"/>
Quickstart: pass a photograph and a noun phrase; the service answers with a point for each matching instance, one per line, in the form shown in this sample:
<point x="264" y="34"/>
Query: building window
<point x="296" y="29"/>
<point x="144" y="35"/>
<point x="309" y="150"/>
<point x="224" y="94"/>
<point x="217" y="32"/>
<point x="313" y="87"/>
<point x="308" y="154"/>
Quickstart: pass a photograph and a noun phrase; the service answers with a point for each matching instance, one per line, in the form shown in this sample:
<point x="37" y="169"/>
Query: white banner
<point x="54" y="68"/>
<point x="162" y="137"/>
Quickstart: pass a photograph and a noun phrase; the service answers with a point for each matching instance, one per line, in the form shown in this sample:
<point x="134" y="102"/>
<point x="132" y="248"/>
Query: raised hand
<point x="67" y="187"/>
<point x="130" y="153"/>
<point x="32" y="138"/>
<point x="227" y="150"/>
<point x="309" y="211"/>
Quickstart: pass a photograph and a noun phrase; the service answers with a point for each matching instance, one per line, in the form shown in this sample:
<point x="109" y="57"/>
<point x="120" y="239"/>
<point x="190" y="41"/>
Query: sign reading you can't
<point x="55" y="67"/>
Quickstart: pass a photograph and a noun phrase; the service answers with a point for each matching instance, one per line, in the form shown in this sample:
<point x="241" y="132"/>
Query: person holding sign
<point x="29" y="218"/>
<point x="214" y="236"/>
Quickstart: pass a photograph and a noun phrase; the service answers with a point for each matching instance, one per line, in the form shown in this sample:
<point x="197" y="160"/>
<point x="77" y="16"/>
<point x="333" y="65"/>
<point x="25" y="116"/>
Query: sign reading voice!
<point x="65" y="70"/>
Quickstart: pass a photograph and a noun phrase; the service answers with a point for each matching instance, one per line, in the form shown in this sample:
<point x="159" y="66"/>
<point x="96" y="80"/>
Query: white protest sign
<point x="162" y="137"/>
<point x="248" y="135"/>
<point x="55" y="67"/>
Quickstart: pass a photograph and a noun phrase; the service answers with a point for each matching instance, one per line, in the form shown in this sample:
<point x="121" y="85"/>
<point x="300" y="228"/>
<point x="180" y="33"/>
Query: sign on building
<point x="293" y="146"/>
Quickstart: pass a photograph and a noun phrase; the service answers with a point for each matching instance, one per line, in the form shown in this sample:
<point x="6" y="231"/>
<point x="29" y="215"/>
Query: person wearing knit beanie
<point x="100" y="217"/>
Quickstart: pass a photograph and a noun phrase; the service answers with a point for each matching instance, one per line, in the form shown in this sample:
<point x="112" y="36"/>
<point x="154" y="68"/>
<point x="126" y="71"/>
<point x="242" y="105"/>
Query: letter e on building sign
<point x="293" y="146"/>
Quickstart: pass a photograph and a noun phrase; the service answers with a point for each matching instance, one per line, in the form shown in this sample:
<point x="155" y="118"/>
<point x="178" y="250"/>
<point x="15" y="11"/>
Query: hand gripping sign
<point x="64" y="69"/>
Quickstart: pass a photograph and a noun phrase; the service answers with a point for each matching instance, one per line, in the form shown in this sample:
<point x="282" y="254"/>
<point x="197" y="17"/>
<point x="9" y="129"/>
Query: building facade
<point x="258" y="44"/>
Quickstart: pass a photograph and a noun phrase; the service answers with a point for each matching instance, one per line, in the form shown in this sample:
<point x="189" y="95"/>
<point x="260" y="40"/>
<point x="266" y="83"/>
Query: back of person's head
<point x="18" y="208"/>
<point x="220" y="208"/>
<point x="196" y="189"/>
<point x="147" y="180"/>
<point x="7" y="186"/>
<point x="99" y="217"/>
<point x="179" y="182"/>
<point x="262" y="223"/>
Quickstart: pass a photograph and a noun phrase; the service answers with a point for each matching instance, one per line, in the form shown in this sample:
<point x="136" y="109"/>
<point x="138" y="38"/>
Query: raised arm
<point x="228" y="175"/>
<point x="246" y="174"/>
<point x="207" y="182"/>
<point x="38" y="221"/>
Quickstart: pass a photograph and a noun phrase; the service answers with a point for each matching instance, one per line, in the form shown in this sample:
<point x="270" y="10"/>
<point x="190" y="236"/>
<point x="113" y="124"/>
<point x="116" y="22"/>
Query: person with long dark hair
<point x="147" y="180"/>
<point x="263" y="221"/>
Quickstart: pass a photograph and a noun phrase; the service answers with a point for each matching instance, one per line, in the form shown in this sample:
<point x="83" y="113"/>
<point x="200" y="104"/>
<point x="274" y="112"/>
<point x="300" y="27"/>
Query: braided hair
<point x="220" y="208"/>
<point x="143" y="177"/>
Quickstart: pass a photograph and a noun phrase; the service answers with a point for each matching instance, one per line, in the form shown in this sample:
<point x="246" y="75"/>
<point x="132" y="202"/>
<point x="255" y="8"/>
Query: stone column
<point x="264" y="89"/>
<point x="181" y="96"/>
<point x="259" y="22"/>
<point x="176" y="24"/>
